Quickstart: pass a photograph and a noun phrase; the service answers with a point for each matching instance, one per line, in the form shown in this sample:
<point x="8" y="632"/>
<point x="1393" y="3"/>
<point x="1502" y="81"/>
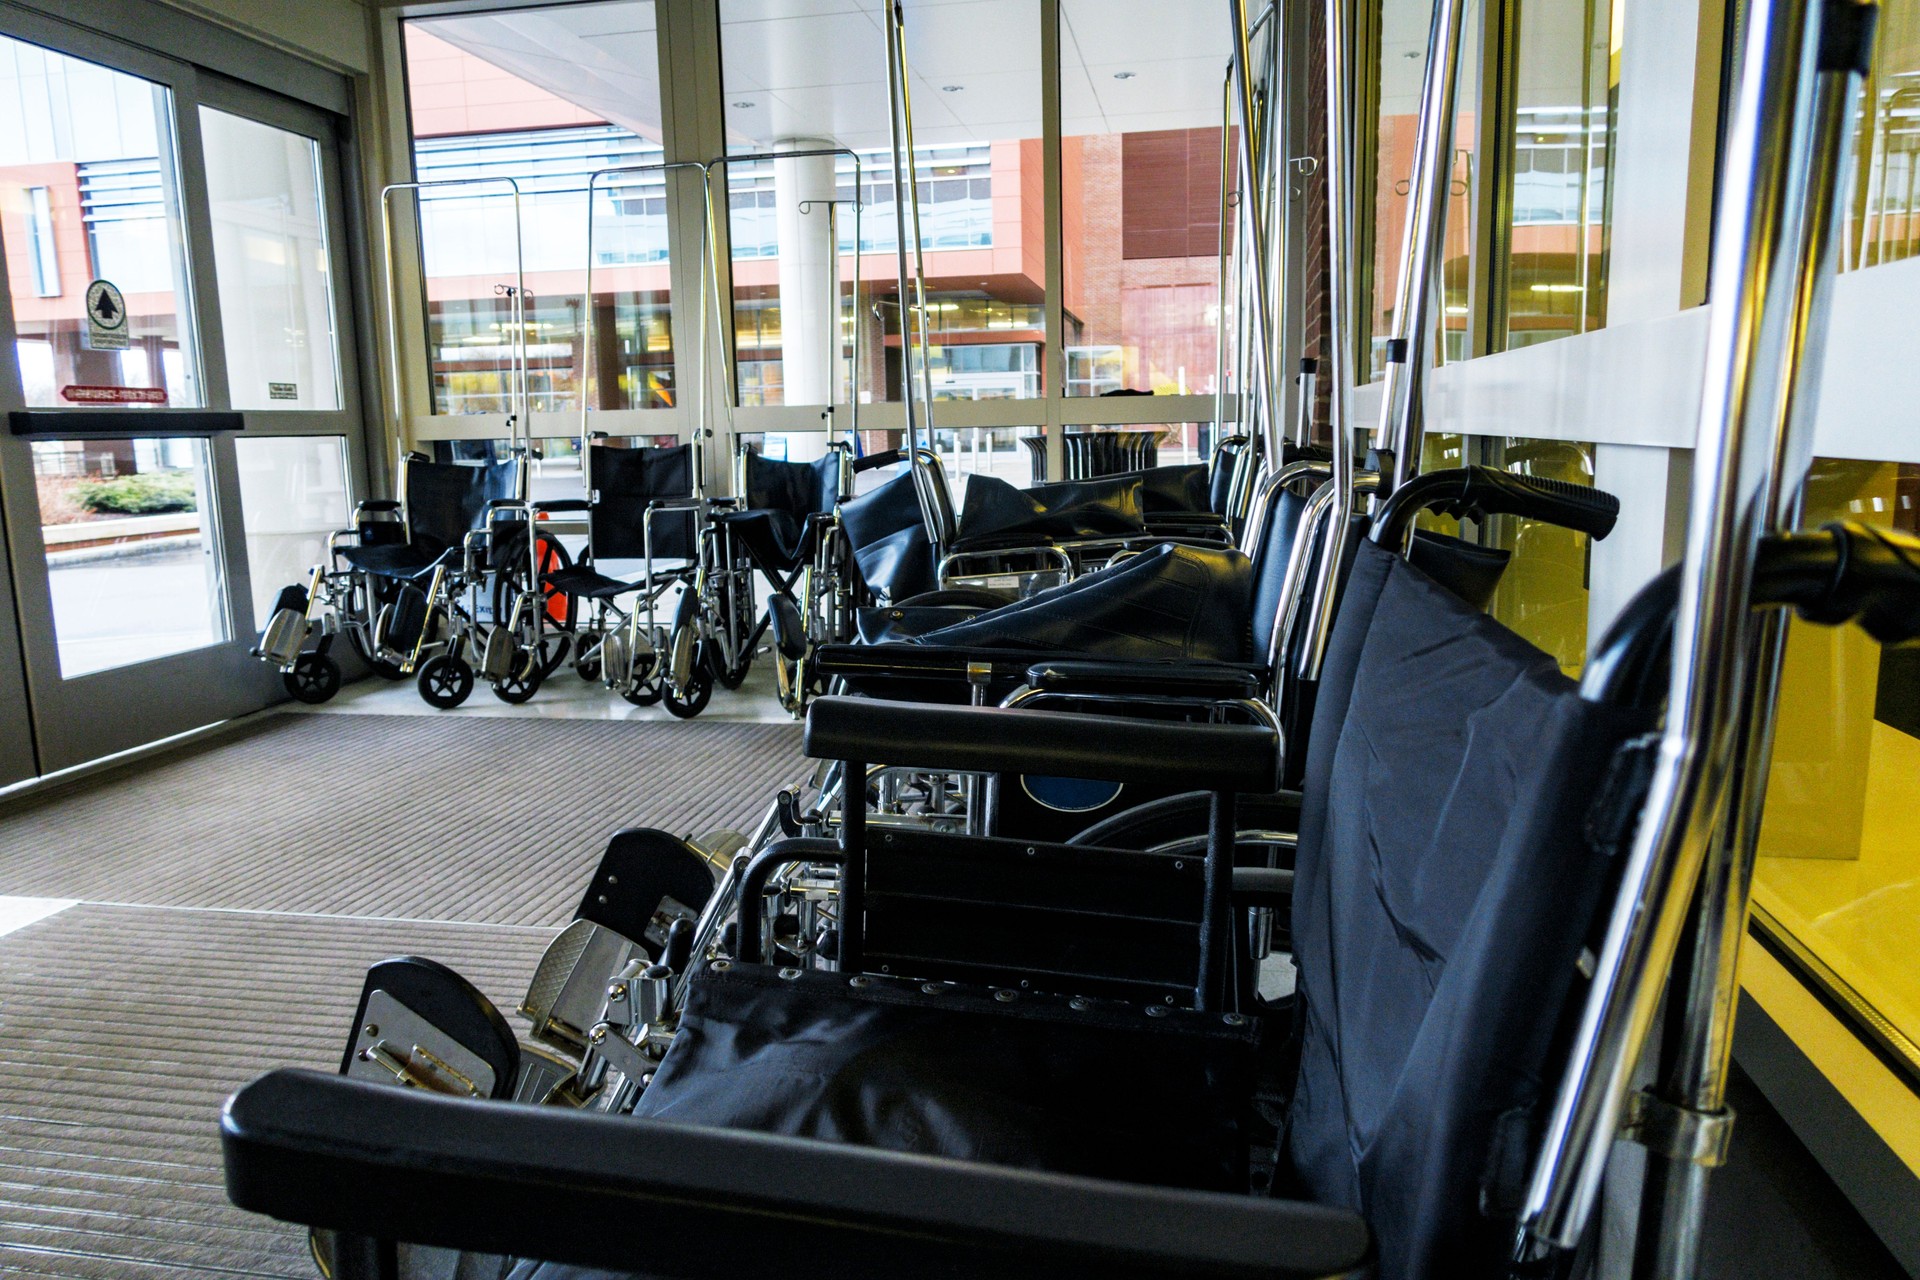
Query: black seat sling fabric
<point x="889" y="540"/>
<point x="445" y="501"/>
<point x="997" y="514"/>
<point x="779" y="498"/>
<point x="1443" y="891"/>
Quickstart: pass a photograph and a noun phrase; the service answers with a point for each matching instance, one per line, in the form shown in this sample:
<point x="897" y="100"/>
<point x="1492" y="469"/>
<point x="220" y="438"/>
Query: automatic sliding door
<point x="169" y="247"/>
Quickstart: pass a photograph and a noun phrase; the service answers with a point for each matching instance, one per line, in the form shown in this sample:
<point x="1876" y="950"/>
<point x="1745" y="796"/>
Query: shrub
<point x="150" y="493"/>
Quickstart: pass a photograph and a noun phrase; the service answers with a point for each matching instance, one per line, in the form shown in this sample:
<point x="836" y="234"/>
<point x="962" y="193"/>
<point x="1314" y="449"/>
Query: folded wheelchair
<point x="405" y="585"/>
<point x="1038" y="1058"/>
<point x="640" y="514"/>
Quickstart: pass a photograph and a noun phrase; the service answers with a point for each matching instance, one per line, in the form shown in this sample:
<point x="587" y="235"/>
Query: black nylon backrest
<point x="800" y="489"/>
<point x="447" y="500"/>
<point x="889" y="539"/>
<point x="1442" y="892"/>
<point x="996" y="510"/>
<point x="624" y="482"/>
<point x="1270" y="559"/>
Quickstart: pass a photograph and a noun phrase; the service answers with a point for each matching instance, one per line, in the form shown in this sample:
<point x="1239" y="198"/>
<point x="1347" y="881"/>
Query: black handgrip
<point x="679" y="950"/>
<point x="1845" y="572"/>
<point x="1472" y="493"/>
<point x="873" y="460"/>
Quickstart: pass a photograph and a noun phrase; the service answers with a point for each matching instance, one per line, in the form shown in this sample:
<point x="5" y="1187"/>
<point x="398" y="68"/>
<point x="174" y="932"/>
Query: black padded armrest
<point x="1166" y="679"/>
<point x="670" y="1199"/>
<point x="564" y="504"/>
<point x="501" y="504"/>
<point x="377" y="506"/>
<point x="1184" y="757"/>
<point x="922" y="660"/>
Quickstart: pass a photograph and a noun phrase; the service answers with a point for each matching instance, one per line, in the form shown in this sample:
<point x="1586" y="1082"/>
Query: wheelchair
<point x="398" y="584"/>
<point x="1059" y="1058"/>
<point x="776" y="531"/>
<point x="638" y="508"/>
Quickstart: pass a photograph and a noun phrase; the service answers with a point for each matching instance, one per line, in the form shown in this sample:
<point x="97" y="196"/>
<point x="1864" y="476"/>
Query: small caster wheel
<point x="523" y="683"/>
<point x="644" y="694"/>
<point x="445" y="681"/>
<point x="699" y="693"/>
<point x="314" y="679"/>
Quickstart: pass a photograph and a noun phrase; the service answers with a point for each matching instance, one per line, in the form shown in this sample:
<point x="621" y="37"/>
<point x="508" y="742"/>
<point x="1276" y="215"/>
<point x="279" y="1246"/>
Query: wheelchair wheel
<point x="737" y="676"/>
<point x="522" y="684"/>
<point x="1180" y="821"/>
<point x="699" y="693"/>
<point x="444" y="681"/>
<point x="645" y="695"/>
<point x="314" y="679"/>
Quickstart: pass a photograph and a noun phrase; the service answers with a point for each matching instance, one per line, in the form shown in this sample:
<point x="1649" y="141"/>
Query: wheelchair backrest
<point x="800" y="489"/>
<point x="889" y="539"/>
<point x="1271" y="555"/>
<point x="623" y="482"/>
<point x="445" y="501"/>
<point x="1443" y="891"/>
<point x="1072" y="510"/>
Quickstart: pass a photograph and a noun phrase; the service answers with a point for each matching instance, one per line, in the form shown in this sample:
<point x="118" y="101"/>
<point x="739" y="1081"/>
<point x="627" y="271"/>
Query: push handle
<point x="1476" y="492"/>
<point x="1845" y="572"/>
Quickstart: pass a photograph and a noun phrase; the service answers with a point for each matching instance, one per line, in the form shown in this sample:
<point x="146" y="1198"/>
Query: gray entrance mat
<point x="121" y="1032"/>
<point x="405" y="817"/>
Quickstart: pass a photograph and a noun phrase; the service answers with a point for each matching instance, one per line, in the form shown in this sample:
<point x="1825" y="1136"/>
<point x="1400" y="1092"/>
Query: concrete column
<point x="809" y="286"/>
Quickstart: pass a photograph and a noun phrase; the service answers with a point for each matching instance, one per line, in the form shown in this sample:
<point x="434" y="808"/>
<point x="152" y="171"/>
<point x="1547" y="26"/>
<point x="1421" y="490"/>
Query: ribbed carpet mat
<point x="123" y="1029"/>
<point x="407" y="817"/>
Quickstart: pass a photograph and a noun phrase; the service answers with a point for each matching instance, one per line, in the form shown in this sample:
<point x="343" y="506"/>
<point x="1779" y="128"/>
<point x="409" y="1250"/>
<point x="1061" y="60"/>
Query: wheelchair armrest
<point x="376" y="506"/>
<point x="1166" y="679"/>
<point x="1263" y="886"/>
<point x="576" y="1187"/>
<point x="564" y="504"/>
<point x="921" y="660"/>
<point x="503" y="504"/>
<point x="1185" y="757"/>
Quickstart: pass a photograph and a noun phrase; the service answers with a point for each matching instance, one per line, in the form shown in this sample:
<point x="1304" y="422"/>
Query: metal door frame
<point x="49" y="723"/>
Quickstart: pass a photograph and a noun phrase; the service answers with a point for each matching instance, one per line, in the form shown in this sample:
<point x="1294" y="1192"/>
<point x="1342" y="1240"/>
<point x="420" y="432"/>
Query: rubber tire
<point x="515" y="690"/>
<point x="646" y="695"/>
<point x="699" y="693"/>
<point x="1184" y="817"/>
<point x="315" y="678"/>
<point x="444" y="681"/>
<point x="735" y="678"/>
<point x="588" y="669"/>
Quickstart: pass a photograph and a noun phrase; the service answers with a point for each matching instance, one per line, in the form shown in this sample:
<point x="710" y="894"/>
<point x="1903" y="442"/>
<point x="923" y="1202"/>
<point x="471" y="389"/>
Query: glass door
<point x="183" y="411"/>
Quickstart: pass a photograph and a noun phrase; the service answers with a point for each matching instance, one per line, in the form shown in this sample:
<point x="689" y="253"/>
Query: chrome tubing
<point x="1756" y="333"/>
<point x="1674" y="1199"/>
<point x="1220" y="329"/>
<point x="912" y="304"/>
<point x="1338" y="351"/>
<point x="859" y="185"/>
<point x="393" y="303"/>
<point x="1254" y="251"/>
<point x="586" y="291"/>
<point x="1399" y="429"/>
<point x="1314" y="527"/>
<point x="1309" y="393"/>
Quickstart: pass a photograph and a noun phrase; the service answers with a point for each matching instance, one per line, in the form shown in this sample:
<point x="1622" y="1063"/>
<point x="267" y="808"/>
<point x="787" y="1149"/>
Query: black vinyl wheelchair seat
<point x="625" y="483"/>
<point x="783" y="505"/>
<point x="440" y="504"/>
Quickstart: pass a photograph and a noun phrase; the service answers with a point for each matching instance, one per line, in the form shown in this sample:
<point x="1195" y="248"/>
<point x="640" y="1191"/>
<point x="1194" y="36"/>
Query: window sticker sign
<point x="283" y="391"/>
<point x="106" y="317"/>
<point x="114" y="395"/>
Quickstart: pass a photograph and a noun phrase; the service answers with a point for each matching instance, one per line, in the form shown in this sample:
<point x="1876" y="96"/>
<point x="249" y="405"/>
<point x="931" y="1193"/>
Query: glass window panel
<point x="1401" y="70"/>
<point x="270" y="254"/>
<point x="88" y="192"/>
<point x="545" y="97"/>
<point x="293" y="493"/>
<point x="1839" y="868"/>
<point x="132" y="560"/>
<point x="1543" y="594"/>
<point x="813" y="74"/>
<point x="1140" y="154"/>
<point x="1884" y="203"/>
<point x="1567" y="78"/>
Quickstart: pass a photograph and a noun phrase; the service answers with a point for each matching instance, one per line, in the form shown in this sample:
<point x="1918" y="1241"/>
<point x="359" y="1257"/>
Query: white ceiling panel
<point x="1119" y="30"/>
<point x="797" y="53"/>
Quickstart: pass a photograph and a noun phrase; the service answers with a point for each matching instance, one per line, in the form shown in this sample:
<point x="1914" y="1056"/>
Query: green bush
<point x="152" y="493"/>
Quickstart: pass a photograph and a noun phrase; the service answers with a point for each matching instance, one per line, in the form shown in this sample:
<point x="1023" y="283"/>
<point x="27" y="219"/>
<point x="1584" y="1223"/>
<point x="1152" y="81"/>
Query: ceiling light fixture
<point x="1123" y="75"/>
